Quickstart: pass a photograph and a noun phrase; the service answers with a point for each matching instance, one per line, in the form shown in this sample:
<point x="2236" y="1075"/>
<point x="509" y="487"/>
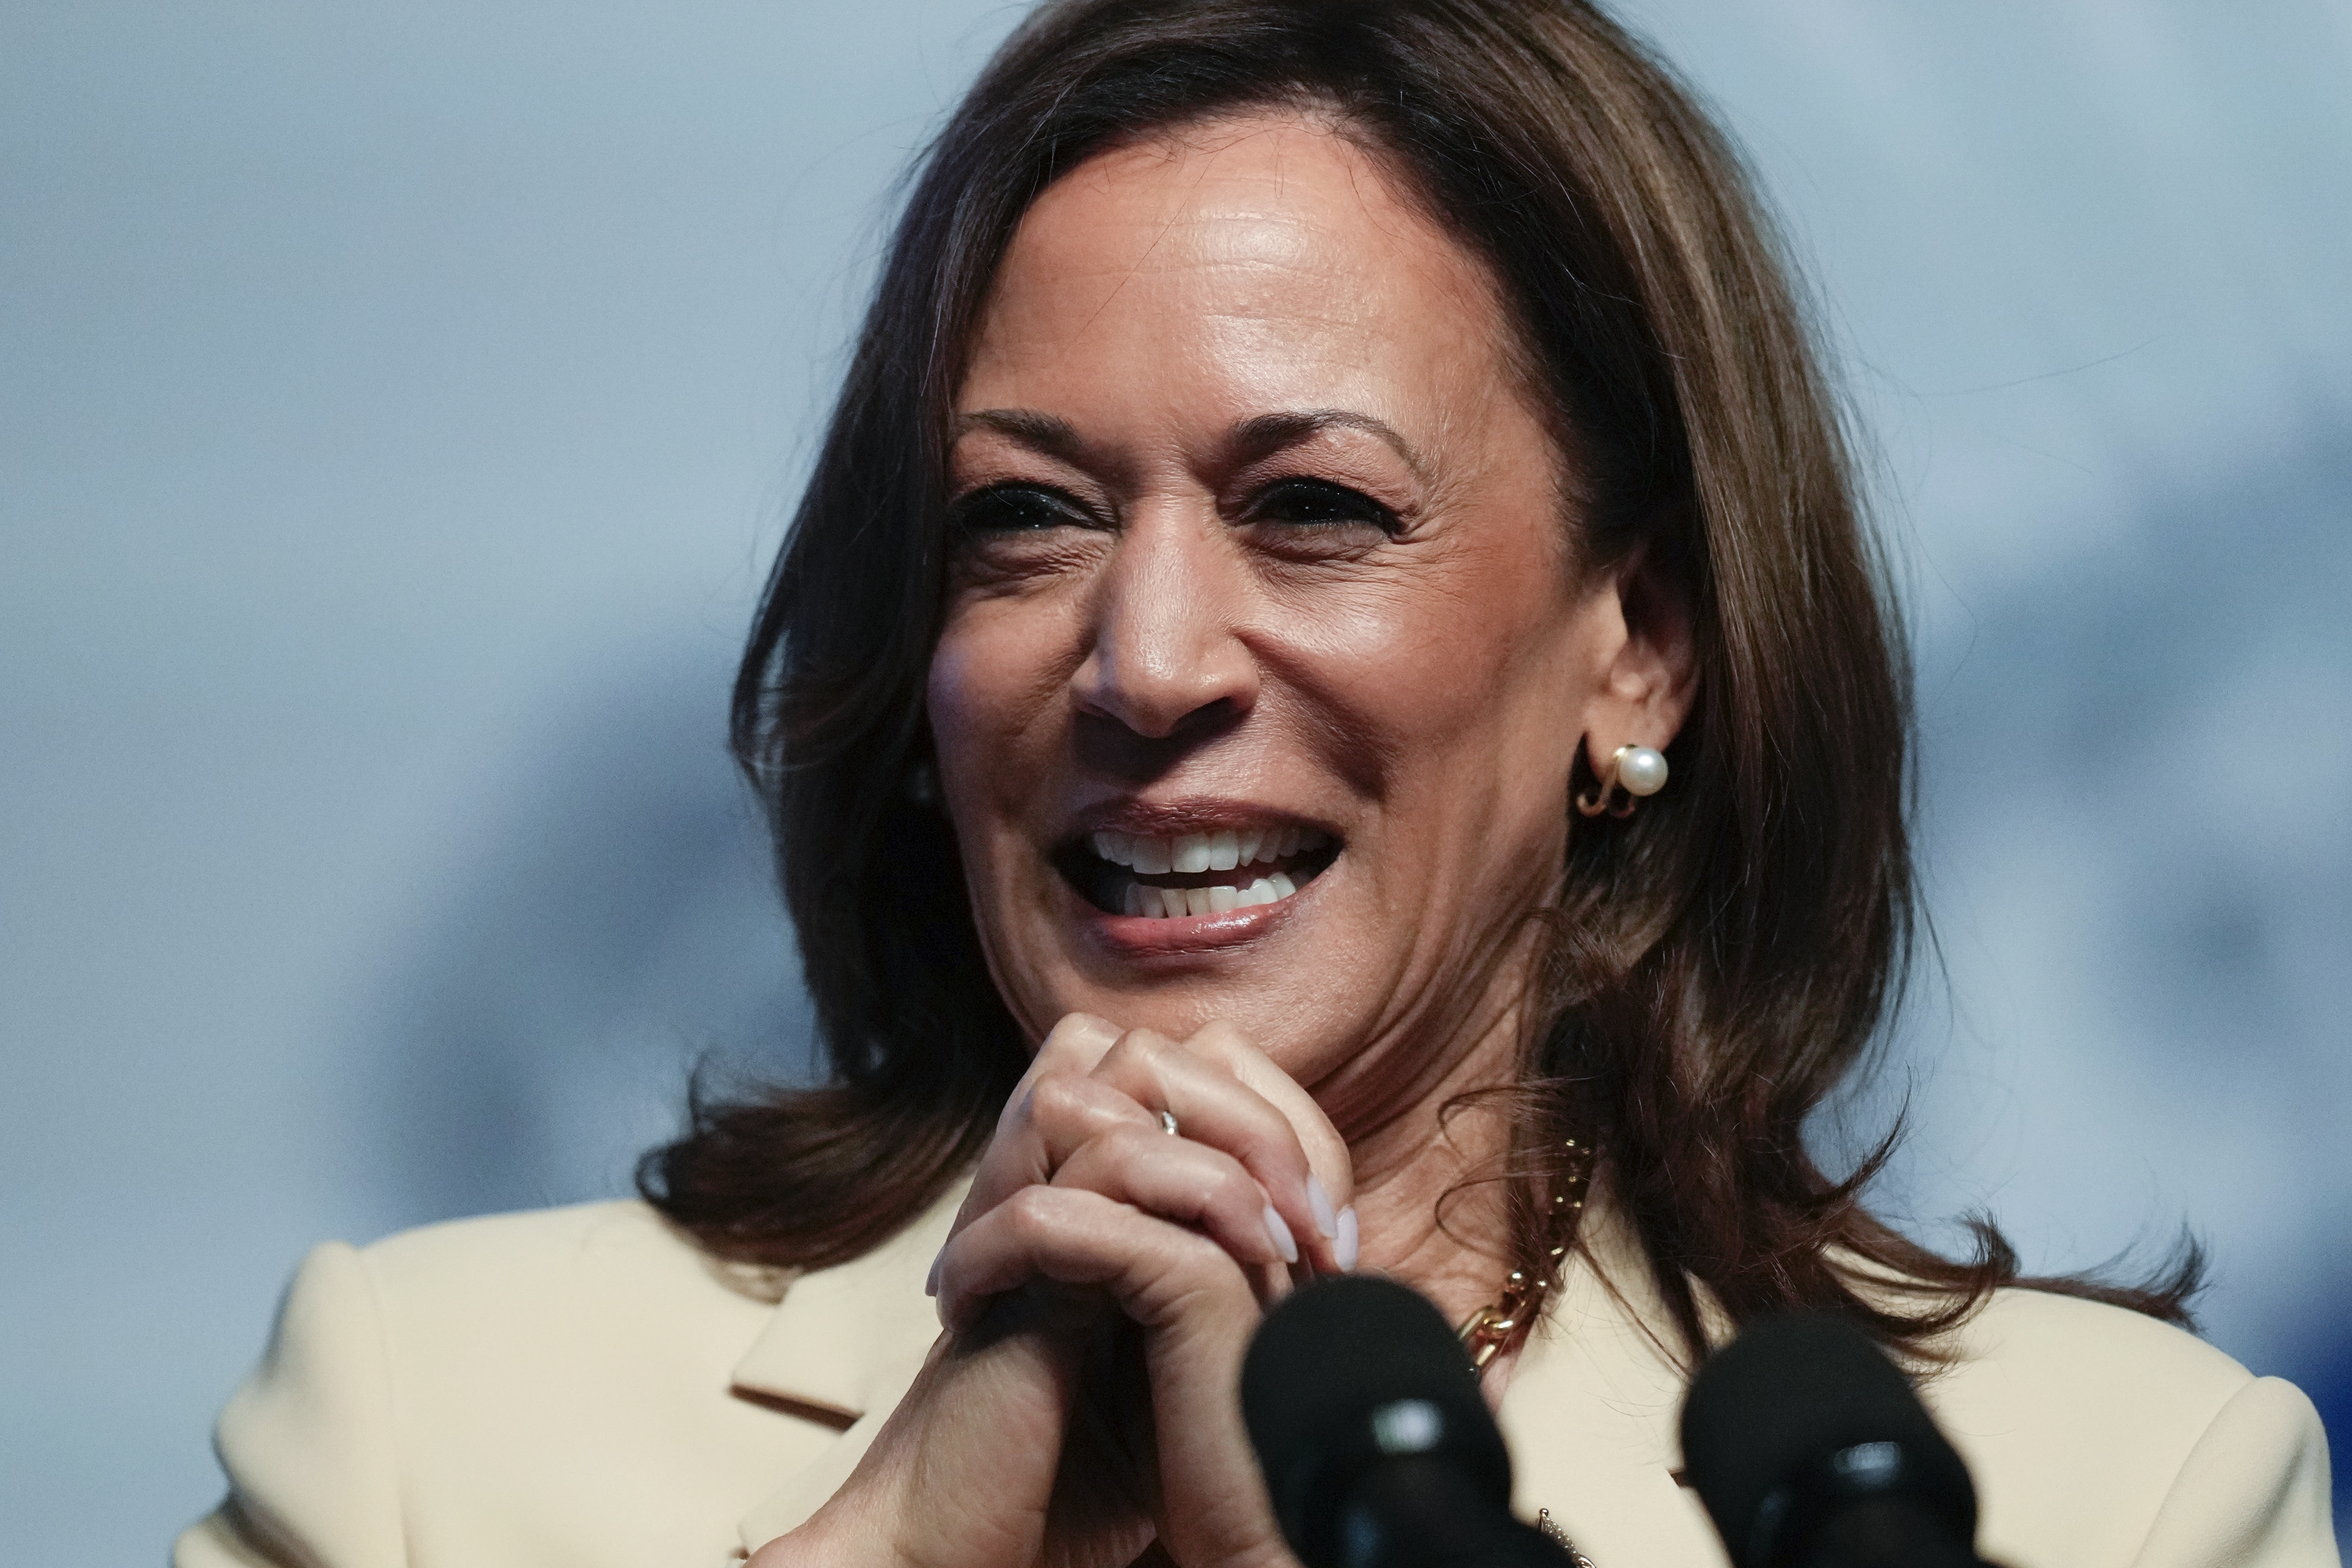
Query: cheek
<point x="968" y="702"/>
<point x="1456" y="656"/>
<point x="970" y="698"/>
<point x="992" y="682"/>
<point x="955" y="697"/>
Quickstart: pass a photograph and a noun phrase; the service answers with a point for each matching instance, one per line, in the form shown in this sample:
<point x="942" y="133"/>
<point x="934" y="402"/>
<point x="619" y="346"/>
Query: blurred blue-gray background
<point x="398" y="403"/>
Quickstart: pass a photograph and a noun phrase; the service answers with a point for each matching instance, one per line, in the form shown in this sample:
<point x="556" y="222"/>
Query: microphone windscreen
<point x="1348" y="1373"/>
<point x="1799" y="1408"/>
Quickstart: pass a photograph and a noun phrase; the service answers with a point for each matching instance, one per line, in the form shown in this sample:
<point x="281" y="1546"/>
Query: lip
<point x="1194" y="814"/>
<point x="1150" y="936"/>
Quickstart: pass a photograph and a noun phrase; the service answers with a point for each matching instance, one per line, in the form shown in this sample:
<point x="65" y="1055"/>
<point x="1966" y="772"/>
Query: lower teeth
<point x="1172" y="903"/>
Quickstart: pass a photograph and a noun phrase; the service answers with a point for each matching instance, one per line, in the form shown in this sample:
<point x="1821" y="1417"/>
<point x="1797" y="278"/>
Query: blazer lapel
<point x="843" y="1345"/>
<point x="1591" y="1415"/>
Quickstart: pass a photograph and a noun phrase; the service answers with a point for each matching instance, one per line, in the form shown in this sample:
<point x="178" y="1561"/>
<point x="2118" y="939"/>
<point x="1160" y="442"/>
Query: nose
<point x="1166" y="655"/>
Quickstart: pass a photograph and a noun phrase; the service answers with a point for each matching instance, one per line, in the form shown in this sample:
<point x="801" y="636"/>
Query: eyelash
<point x="1336" y="505"/>
<point x="1008" y="508"/>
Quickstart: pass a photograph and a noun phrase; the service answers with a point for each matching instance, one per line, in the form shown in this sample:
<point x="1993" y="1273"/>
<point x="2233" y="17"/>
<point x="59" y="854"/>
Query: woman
<point x="1327" y="707"/>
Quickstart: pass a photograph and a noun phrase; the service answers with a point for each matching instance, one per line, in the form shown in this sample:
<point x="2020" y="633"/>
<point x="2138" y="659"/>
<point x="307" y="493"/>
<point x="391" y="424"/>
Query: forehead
<point x="1269" y="239"/>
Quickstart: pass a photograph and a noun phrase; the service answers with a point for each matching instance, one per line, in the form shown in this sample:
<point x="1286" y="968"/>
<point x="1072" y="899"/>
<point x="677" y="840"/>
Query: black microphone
<point x="1809" y="1450"/>
<point x="1377" y="1448"/>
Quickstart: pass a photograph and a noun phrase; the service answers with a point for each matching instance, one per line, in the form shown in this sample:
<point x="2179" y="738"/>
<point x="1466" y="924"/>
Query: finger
<point x="1073" y="1044"/>
<point x="1060" y="1113"/>
<point x="1213" y="1106"/>
<point x="1187" y="1184"/>
<point x="1065" y="1114"/>
<point x="1013" y="1158"/>
<point x="1327" y="1151"/>
<point x="1070" y="1235"/>
<point x="1333" y="1193"/>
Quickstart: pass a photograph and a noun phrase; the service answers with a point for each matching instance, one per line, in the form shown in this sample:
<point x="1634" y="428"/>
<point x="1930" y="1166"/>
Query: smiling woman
<point x="1258" y="537"/>
<point x="1302" y="461"/>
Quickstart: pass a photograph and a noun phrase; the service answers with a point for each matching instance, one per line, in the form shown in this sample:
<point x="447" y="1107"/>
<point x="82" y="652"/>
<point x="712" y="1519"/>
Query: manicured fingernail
<point x="1344" y="1247"/>
<point x="1320" y="1202"/>
<point x="1279" y="1232"/>
<point x="931" y="1283"/>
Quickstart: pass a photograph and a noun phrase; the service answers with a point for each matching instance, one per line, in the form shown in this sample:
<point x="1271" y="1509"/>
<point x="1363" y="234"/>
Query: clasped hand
<point x="1097" y="1291"/>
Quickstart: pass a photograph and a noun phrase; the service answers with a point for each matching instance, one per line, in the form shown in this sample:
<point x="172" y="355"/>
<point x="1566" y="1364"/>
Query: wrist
<point x="837" y="1535"/>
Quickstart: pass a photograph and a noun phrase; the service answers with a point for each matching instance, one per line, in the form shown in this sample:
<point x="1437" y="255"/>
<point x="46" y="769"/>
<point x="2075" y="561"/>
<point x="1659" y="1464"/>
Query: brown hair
<point x="1723" y="958"/>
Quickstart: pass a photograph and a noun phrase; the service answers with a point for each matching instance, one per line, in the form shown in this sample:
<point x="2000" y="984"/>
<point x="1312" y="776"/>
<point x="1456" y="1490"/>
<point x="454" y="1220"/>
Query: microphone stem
<point x="1424" y="1512"/>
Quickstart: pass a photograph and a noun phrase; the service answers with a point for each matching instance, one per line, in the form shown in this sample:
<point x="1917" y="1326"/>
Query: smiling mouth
<point x="1190" y="874"/>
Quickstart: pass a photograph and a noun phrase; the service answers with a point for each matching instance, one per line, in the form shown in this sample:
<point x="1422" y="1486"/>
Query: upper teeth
<point x="1188" y="852"/>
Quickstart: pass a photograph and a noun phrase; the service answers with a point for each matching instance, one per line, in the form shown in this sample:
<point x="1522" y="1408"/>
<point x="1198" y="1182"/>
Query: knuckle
<point x="1143" y="1048"/>
<point x="1057" y="1097"/>
<point x="1032" y="1214"/>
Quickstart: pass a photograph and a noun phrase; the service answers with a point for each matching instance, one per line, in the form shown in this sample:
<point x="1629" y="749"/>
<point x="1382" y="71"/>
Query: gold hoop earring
<point x="1639" y="771"/>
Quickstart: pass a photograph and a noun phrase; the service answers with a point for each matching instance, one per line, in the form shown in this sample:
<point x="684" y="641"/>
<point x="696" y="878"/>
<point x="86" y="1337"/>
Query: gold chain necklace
<point x="1503" y="1323"/>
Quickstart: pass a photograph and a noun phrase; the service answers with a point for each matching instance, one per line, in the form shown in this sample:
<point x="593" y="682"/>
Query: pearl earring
<point x="1639" y="770"/>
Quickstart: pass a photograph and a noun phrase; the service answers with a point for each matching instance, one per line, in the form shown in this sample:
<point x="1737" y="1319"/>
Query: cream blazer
<point x="582" y="1387"/>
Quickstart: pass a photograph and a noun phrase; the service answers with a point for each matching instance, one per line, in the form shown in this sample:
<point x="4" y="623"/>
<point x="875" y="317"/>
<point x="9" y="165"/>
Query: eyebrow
<point x="1054" y="436"/>
<point x="1253" y="438"/>
<point x="1270" y="433"/>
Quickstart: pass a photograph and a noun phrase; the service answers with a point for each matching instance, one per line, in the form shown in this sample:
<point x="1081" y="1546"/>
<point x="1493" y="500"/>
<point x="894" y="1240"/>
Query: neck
<point x="1413" y="1157"/>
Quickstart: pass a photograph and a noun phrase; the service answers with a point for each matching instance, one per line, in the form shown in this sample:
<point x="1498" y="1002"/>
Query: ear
<point x="1648" y="658"/>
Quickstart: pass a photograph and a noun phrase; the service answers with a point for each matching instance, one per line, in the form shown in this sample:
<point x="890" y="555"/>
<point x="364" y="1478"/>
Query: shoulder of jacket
<point x="619" y="1257"/>
<point x="2061" y="1352"/>
<point x="2254" y="1491"/>
<point x="2076" y="1417"/>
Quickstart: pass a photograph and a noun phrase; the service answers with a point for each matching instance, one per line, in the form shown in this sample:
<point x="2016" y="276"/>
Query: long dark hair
<point x="1723" y="958"/>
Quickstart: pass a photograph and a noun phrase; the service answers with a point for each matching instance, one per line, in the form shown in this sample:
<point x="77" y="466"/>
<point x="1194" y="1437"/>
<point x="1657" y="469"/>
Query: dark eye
<point x="1012" y="509"/>
<point x="1320" y="503"/>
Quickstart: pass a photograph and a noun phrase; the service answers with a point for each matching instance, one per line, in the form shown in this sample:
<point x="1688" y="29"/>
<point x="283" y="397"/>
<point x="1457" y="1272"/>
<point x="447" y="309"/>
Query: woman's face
<point x="1268" y="652"/>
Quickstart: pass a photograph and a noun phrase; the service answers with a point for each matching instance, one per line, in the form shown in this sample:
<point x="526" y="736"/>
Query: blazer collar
<point x="837" y="1341"/>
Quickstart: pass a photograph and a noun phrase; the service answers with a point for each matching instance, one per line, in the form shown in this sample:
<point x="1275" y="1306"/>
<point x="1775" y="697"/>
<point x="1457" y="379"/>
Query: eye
<point x="1320" y="503"/>
<point x="1012" y="508"/>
